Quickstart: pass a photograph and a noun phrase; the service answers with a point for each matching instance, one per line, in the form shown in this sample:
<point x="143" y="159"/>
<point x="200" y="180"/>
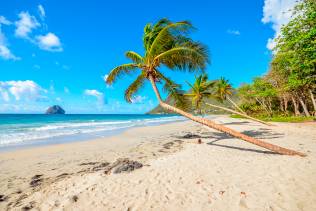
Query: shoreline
<point x="222" y="173"/>
<point x="79" y="137"/>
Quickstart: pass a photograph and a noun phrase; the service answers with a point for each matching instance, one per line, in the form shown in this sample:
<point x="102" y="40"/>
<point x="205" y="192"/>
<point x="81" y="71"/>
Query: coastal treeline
<point x="289" y="86"/>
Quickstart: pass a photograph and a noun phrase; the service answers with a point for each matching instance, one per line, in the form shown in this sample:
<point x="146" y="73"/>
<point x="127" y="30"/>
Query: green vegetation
<point x="280" y="118"/>
<point x="290" y="84"/>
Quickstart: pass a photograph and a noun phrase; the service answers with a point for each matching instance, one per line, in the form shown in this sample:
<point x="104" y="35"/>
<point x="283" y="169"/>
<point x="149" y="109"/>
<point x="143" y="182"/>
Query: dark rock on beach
<point x="125" y="165"/>
<point x="36" y="180"/>
<point x="56" y="109"/>
<point x="190" y="136"/>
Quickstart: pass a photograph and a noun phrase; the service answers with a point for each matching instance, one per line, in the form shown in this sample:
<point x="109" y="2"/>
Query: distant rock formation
<point x="56" y="109"/>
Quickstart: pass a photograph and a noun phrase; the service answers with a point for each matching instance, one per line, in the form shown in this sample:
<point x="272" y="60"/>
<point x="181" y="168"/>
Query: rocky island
<point x="56" y="109"/>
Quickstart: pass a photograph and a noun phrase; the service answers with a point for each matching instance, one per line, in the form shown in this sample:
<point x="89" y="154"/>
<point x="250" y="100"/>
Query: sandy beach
<point x="172" y="171"/>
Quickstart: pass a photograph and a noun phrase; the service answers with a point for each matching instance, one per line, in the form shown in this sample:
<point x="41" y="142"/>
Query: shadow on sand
<point x="212" y="143"/>
<point x="261" y="133"/>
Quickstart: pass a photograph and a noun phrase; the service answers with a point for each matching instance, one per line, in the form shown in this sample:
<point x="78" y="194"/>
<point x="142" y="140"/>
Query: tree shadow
<point x="212" y="143"/>
<point x="261" y="133"/>
<point x="237" y="123"/>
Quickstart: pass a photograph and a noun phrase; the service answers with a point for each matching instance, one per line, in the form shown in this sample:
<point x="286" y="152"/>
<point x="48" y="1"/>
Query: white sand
<point x="221" y="174"/>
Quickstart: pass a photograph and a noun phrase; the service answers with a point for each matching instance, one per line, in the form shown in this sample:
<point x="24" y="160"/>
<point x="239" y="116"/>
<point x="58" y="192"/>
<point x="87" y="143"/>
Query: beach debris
<point x="190" y="136"/>
<point x="88" y="163"/>
<point x="123" y="165"/>
<point x="36" y="180"/>
<point x="100" y="166"/>
<point x="3" y="198"/>
<point x="199" y="141"/>
<point x="29" y="206"/>
<point x="221" y="192"/>
<point x="75" y="198"/>
<point x="126" y="165"/>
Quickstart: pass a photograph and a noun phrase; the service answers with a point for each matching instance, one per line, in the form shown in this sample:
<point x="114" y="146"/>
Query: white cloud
<point x="25" y="25"/>
<point x="41" y="11"/>
<point x="5" y="52"/>
<point x="49" y="42"/>
<point x="138" y="99"/>
<point x="21" y="90"/>
<point x="4" y="21"/>
<point x="95" y="93"/>
<point x="4" y="94"/>
<point x="233" y="32"/>
<point x="278" y="13"/>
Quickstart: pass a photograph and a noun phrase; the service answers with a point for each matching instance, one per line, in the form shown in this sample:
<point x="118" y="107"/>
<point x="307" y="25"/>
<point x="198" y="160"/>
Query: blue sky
<point x="58" y="52"/>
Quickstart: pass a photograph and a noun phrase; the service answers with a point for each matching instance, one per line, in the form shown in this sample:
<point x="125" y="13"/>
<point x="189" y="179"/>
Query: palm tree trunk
<point x="296" y="107"/>
<point x="235" y="105"/>
<point x="313" y="100"/>
<point x="221" y="128"/>
<point x="285" y="104"/>
<point x="241" y="114"/>
<point x="304" y="106"/>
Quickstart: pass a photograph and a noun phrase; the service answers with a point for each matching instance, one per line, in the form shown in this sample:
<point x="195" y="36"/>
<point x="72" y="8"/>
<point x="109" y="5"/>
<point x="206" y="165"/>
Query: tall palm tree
<point x="223" y="91"/>
<point x="167" y="43"/>
<point x="200" y="90"/>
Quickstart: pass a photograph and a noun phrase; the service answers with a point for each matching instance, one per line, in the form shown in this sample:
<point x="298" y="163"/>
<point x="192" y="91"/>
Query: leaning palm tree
<point x="223" y="91"/>
<point x="168" y="43"/>
<point x="200" y="90"/>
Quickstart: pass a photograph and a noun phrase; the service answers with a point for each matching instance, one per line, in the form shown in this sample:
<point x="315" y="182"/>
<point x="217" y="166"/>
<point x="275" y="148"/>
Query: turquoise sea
<point x="20" y="130"/>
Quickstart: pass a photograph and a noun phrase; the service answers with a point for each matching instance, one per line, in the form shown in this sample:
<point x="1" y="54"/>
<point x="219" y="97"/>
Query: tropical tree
<point x="297" y="43"/>
<point x="200" y="90"/>
<point x="168" y="44"/>
<point x="223" y="91"/>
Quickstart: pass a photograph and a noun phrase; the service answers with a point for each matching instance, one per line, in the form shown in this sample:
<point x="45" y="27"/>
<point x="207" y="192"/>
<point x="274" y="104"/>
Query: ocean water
<point x="20" y="130"/>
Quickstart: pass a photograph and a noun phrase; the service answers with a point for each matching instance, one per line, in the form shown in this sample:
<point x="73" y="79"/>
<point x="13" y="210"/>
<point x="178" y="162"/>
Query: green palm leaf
<point x="134" y="87"/>
<point x="117" y="72"/>
<point x="135" y="57"/>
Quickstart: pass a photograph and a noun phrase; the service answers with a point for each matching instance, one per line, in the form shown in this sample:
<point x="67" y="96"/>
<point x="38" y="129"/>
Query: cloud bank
<point x="277" y="13"/>
<point x="21" y="91"/>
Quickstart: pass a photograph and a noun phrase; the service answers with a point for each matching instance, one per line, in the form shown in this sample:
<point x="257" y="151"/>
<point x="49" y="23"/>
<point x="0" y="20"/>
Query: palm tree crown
<point x="165" y="43"/>
<point x="223" y="89"/>
<point x="200" y="90"/>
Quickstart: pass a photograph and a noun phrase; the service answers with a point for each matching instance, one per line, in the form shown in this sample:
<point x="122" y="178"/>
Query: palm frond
<point x="174" y="91"/>
<point x="191" y="57"/>
<point x="134" y="87"/>
<point x="135" y="57"/>
<point x="167" y="36"/>
<point x="118" y="71"/>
